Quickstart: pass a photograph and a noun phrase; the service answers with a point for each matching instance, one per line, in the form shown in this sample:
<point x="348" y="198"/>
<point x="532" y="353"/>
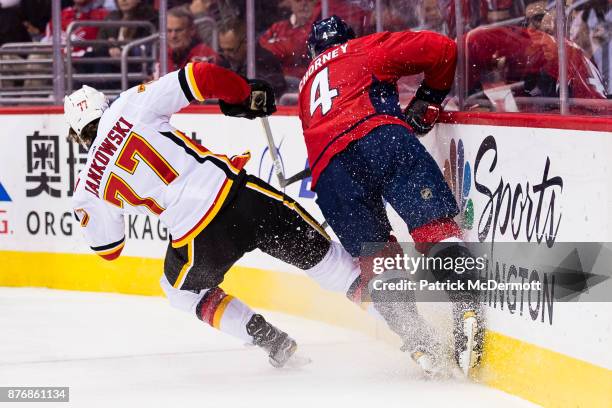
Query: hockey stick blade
<point x="298" y="176"/>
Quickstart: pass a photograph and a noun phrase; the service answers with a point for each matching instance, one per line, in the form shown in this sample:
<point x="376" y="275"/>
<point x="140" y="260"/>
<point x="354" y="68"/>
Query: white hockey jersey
<point x="140" y="164"/>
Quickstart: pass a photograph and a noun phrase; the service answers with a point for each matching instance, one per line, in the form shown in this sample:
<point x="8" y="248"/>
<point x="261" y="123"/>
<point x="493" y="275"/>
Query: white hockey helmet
<point x="83" y="107"/>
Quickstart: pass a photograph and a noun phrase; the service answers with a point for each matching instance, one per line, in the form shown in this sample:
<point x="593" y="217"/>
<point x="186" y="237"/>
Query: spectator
<point x="501" y="10"/>
<point x="579" y="29"/>
<point x="398" y="15"/>
<point x="81" y="10"/>
<point x="590" y="27"/>
<point x="513" y="55"/>
<point x="481" y="12"/>
<point x="474" y="14"/>
<point x="36" y="14"/>
<point x="127" y="10"/>
<point x="200" y="9"/>
<point x="266" y="12"/>
<point x="11" y="30"/>
<point x="430" y="17"/>
<point x="184" y="45"/>
<point x="11" y="24"/>
<point x="357" y="13"/>
<point x="404" y="10"/>
<point x="535" y="14"/>
<point x="602" y="43"/>
<point x="233" y="50"/>
<point x="287" y="39"/>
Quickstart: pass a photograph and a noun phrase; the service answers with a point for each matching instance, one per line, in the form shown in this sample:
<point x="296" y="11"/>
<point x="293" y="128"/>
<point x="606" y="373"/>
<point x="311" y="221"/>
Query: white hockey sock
<point x="234" y="318"/>
<point x="336" y="271"/>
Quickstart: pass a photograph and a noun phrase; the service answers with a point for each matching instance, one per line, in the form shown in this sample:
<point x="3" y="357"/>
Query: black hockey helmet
<point x="326" y="33"/>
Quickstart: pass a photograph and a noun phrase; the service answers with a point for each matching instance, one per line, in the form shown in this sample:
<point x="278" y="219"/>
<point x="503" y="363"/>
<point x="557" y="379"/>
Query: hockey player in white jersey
<point x="140" y="164"/>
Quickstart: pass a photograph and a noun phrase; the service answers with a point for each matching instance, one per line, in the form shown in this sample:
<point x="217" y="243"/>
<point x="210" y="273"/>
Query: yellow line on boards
<point x="543" y="376"/>
<point x="137" y="276"/>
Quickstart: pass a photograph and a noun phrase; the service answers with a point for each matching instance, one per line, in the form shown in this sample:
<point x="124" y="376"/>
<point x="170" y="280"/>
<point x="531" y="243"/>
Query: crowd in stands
<point x="184" y="43"/>
<point x="515" y="67"/>
<point x="506" y="41"/>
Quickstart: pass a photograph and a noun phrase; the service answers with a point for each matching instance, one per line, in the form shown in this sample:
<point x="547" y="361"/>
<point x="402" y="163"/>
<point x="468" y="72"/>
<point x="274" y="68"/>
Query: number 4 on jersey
<point x="320" y="86"/>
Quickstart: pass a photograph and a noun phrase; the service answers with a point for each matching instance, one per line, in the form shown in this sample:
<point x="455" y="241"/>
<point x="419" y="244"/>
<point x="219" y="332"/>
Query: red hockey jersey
<point x="351" y="89"/>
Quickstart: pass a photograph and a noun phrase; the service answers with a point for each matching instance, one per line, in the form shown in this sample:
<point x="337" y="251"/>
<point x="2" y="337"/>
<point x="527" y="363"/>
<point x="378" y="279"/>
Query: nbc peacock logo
<point x="458" y="175"/>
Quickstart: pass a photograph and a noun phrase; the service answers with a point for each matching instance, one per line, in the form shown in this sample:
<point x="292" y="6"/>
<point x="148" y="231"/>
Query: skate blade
<point x="294" y="359"/>
<point x="431" y="369"/>
<point x="297" y="361"/>
<point x="467" y="357"/>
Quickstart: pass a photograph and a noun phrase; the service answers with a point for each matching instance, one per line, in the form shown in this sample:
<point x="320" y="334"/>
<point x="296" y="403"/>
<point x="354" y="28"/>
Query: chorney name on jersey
<point x="322" y="59"/>
<point x="140" y="164"/>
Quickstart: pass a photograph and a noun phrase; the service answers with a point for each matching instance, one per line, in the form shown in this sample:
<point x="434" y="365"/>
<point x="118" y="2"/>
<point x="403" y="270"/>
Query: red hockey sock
<point x="429" y="234"/>
<point x="210" y="305"/>
<point x="358" y="292"/>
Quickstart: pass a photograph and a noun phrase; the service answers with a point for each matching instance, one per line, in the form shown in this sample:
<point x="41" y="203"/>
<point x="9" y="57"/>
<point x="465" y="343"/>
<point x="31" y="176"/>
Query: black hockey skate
<point x="468" y="315"/>
<point x="430" y="360"/>
<point x="277" y="343"/>
<point x="402" y="317"/>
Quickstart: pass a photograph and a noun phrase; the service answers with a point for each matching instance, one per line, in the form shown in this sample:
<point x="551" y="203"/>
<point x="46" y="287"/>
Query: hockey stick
<point x="278" y="168"/>
<point x="301" y="175"/>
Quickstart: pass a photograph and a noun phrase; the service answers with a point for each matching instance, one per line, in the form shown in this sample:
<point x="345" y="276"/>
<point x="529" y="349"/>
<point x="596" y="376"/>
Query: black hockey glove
<point x="424" y="109"/>
<point x="260" y="102"/>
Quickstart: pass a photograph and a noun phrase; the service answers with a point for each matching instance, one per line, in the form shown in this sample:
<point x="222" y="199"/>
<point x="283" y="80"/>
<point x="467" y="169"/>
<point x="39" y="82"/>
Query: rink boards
<point x="552" y="353"/>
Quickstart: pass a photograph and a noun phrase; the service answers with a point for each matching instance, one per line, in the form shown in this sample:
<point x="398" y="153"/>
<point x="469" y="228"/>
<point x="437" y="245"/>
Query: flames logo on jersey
<point x="458" y="175"/>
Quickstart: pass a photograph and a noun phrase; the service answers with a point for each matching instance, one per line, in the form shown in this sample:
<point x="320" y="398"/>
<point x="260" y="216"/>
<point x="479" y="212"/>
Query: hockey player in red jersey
<point x="138" y="163"/>
<point x="362" y="149"/>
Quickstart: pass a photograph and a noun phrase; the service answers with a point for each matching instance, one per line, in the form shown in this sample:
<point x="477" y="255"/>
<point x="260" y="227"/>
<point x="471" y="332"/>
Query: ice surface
<point x="132" y="351"/>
